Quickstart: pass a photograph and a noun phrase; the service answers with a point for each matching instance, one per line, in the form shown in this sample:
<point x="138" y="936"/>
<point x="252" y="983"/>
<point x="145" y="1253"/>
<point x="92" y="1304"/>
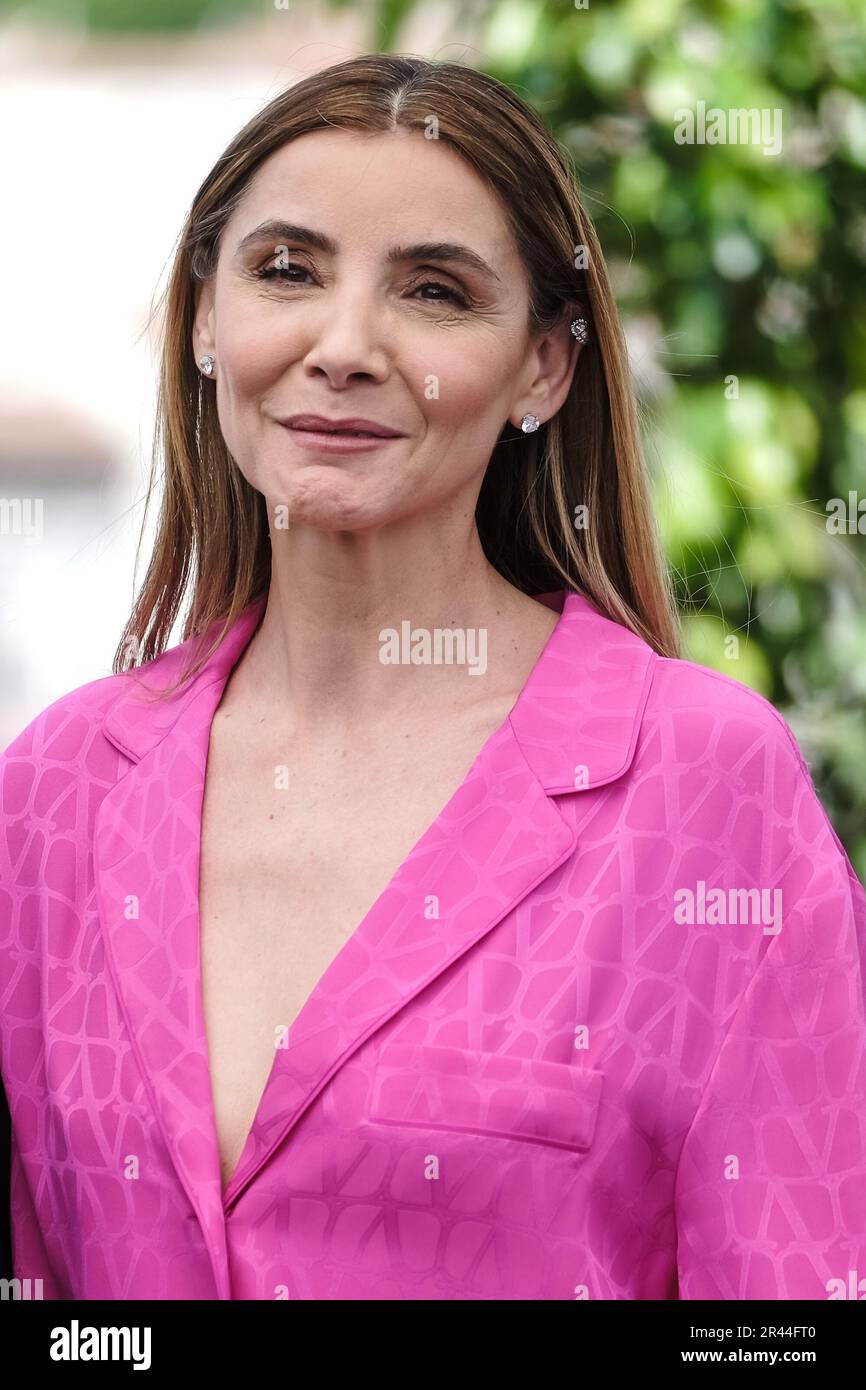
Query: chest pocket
<point x="484" y="1093"/>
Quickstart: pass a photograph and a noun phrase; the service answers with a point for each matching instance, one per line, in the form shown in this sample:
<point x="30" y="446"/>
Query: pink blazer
<point x="602" y="1036"/>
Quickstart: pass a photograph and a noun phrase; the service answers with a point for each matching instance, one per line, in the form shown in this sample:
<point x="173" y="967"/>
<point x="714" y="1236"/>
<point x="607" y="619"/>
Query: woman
<point x="330" y="970"/>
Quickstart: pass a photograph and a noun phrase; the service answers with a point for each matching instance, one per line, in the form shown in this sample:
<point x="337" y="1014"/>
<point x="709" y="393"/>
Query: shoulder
<point x="710" y="713"/>
<point x="64" y="723"/>
<point x="94" y="731"/>
<point x="698" y="711"/>
<point x="61" y="747"/>
<point x="68" y="735"/>
<point x="737" y="783"/>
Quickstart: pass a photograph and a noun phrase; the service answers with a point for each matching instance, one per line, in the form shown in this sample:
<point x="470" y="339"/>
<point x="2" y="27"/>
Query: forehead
<point x="395" y="187"/>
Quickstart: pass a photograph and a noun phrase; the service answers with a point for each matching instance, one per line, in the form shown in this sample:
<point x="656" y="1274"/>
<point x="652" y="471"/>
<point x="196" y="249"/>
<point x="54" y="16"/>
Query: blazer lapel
<point x="146" y="865"/>
<point x="497" y="837"/>
<point x="573" y="727"/>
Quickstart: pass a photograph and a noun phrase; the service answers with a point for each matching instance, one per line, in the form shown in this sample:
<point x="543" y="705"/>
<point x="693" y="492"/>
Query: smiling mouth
<point x="347" y="434"/>
<point x="341" y="439"/>
<point x="349" y="427"/>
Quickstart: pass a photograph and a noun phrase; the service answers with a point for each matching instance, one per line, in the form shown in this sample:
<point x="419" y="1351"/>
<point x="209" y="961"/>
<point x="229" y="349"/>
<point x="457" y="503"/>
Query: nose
<point x="347" y="339"/>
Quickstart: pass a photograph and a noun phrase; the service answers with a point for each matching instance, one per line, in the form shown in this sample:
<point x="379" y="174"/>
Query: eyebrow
<point x="280" y="233"/>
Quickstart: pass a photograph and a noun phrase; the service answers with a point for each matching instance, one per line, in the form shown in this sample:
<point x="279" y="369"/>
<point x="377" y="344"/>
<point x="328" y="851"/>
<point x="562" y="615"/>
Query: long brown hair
<point x="212" y="528"/>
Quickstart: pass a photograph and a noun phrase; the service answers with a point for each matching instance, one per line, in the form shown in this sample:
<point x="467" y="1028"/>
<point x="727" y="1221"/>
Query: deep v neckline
<point x="574" y="726"/>
<point x="306" y="1020"/>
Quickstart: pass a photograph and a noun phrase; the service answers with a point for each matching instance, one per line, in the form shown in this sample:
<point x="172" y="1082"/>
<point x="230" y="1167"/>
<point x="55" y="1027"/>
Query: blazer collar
<point x="576" y="720"/>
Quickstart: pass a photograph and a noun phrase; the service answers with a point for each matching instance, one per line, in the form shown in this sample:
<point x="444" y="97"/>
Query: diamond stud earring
<point x="579" y="329"/>
<point x="529" y="423"/>
<point x="206" y="364"/>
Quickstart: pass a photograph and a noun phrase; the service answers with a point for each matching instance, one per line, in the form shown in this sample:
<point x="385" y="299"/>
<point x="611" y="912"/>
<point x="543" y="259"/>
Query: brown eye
<point x="281" y="272"/>
<point x="453" y="296"/>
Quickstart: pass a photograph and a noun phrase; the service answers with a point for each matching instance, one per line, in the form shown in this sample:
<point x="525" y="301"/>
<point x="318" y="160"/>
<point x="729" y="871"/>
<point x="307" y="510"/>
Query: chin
<point x="331" y="502"/>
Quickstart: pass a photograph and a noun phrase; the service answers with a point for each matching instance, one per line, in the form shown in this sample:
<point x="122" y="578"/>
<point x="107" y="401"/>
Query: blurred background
<point x="740" y="272"/>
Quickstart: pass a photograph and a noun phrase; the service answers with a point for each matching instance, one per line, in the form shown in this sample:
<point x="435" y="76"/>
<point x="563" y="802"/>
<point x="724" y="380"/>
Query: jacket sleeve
<point x="770" y="1193"/>
<point x="41" y="789"/>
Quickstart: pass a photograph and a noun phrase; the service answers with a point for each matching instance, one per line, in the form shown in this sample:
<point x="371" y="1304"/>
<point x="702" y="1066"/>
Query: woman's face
<point x="342" y="312"/>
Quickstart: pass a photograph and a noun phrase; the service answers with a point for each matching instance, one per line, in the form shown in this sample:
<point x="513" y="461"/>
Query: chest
<point x="294" y="853"/>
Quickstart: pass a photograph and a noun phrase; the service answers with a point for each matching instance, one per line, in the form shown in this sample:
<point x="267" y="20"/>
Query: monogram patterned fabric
<point x="602" y="1036"/>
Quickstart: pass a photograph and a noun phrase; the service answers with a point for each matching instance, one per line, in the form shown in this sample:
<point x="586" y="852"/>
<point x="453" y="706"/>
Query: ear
<point x="550" y="368"/>
<point x="203" y="336"/>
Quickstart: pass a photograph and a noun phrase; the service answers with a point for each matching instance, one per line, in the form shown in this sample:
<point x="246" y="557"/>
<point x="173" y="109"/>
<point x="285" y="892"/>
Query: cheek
<point x="250" y="357"/>
<point x="465" y="383"/>
<point x="253" y="343"/>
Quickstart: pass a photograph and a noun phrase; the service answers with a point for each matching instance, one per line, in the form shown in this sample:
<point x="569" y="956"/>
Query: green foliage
<point x="746" y="273"/>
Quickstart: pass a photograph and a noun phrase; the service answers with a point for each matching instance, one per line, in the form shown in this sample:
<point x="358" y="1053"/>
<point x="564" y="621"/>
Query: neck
<point x="317" y="660"/>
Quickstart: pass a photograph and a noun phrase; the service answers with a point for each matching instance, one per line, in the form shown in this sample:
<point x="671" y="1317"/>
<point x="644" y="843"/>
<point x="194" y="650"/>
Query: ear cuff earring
<point x="206" y="364"/>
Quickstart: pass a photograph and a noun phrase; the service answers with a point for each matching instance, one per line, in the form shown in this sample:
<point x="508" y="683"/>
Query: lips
<point x="354" y="427"/>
